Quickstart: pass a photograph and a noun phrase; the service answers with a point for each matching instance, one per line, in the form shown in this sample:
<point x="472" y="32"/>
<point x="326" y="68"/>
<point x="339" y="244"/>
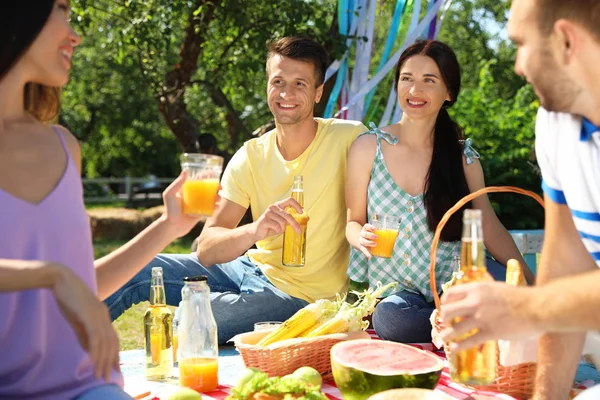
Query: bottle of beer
<point x="294" y="244"/>
<point x="158" y="331"/>
<point x="475" y="366"/>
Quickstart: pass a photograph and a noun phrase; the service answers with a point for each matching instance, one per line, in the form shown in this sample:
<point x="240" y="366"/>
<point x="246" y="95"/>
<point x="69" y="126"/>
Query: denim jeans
<point x="104" y="392"/>
<point x="404" y="316"/>
<point x="240" y="293"/>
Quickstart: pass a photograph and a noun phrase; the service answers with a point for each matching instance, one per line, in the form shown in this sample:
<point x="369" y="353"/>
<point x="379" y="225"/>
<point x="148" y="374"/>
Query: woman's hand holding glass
<point x="367" y="239"/>
<point x="180" y="222"/>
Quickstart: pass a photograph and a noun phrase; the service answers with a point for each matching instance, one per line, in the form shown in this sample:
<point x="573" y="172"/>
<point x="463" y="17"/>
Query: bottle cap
<point x="196" y="278"/>
<point x="472" y="213"/>
<point x="157" y="271"/>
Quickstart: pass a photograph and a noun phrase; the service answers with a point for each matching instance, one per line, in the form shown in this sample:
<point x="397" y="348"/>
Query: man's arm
<point x="565" y="300"/>
<point x="570" y="302"/>
<point x="220" y="240"/>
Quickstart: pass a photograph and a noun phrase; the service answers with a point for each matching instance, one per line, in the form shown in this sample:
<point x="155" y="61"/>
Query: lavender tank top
<point x="40" y="357"/>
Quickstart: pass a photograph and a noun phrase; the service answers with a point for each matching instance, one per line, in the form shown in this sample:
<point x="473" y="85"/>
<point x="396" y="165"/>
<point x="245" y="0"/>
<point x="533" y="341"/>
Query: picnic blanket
<point x="231" y="365"/>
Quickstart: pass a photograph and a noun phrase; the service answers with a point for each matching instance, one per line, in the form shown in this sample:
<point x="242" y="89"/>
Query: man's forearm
<point x="558" y="357"/>
<point x="220" y="245"/>
<point x="569" y="304"/>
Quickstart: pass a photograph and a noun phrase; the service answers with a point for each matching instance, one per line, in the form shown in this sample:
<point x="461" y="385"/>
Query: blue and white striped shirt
<point x="568" y="152"/>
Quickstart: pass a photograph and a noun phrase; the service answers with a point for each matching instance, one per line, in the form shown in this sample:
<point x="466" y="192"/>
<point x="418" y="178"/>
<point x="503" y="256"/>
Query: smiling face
<point x="535" y="59"/>
<point x="291" y="89"/>
<point x="48" y="59"/>
<point x="421" y="89"/>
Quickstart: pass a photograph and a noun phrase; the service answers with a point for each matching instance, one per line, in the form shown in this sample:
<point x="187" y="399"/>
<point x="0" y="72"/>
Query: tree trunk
<point x="171" y="100"/>
<point x="234" y="124"/>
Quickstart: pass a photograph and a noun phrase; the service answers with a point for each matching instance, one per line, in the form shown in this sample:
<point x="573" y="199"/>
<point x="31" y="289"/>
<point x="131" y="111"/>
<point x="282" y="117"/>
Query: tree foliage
<point x="197" y="64"/>
<point x="151" y="75"/>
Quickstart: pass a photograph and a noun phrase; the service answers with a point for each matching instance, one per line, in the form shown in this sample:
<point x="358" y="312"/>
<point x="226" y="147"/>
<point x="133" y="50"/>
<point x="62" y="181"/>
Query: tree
<point x="503" y="132"/>
<point x="202" y="61"/>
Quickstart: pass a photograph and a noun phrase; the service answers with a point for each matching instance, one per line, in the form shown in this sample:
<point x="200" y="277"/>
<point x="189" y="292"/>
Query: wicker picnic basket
<point x="285" y="357"/>
<point x="517" y="380"/>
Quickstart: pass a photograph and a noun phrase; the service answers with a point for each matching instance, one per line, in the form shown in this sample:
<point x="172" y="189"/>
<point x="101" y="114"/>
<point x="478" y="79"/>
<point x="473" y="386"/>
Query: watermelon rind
<point x="358" y="383"/>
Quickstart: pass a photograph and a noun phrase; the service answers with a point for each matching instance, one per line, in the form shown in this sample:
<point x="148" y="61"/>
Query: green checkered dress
<point x="409" y="264"/>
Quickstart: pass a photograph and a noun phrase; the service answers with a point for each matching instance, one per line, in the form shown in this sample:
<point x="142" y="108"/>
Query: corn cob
<point x="350" y="319"/>
<point x="325" y="319"/>
<point x="302" y="320"/>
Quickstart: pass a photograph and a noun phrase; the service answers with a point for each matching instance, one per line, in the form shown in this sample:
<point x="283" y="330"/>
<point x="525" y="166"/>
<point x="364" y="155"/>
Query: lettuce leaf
<point x="291" y="388"/>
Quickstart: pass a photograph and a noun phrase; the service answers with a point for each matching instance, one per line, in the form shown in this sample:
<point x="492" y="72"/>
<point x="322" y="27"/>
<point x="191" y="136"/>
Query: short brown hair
<point x="303" y="49"/>
<point x="584" y="12"/>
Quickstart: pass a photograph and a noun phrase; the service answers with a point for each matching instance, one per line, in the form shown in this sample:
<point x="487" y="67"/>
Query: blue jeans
<point x="104" y="392"/>
<point x="240" y="293"/>
<point x="404" y="316"/>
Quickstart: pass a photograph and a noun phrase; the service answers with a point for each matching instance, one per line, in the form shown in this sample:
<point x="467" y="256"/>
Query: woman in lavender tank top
<point x="56" y="338"/>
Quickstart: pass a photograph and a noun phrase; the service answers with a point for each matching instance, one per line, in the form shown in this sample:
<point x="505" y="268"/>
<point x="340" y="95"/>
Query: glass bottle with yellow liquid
<point x="475" y="366"/>
<point x="294" y="244"/>
<point x="158" y="331"/>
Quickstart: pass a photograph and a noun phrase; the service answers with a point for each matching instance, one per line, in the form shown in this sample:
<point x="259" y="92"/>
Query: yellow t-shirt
<point x="259" y="176"/>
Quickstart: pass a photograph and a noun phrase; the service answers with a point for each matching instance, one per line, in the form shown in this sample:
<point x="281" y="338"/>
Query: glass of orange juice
<point x="199" y="373"/>
<point x="202" y="184"/>
<point x="386" y="229"/>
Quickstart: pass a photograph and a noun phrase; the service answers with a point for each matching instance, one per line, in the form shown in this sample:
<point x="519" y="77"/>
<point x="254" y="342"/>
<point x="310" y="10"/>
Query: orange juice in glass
<point x="201" y="187"/>
<point x="386" y="229"/>
<point x="199" y="373"/>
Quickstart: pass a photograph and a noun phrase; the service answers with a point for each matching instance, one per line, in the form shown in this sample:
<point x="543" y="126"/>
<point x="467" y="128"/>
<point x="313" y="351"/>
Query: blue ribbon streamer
<point x="389" y="44"/>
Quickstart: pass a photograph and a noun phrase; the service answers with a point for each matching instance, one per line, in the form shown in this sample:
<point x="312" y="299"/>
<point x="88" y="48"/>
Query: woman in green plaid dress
<point x="416" y="169"/>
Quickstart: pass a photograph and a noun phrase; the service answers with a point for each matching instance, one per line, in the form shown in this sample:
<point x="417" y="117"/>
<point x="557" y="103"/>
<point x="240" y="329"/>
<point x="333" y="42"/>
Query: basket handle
<point x="456" y="207"/>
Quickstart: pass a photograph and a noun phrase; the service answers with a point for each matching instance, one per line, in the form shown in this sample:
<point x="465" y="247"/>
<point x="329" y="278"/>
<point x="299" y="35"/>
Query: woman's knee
<point x="394" y="320"/>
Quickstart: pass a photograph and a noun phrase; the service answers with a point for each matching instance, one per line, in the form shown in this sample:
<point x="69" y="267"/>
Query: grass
<point x="113" y="204"/>
<point x="129" y="326"/>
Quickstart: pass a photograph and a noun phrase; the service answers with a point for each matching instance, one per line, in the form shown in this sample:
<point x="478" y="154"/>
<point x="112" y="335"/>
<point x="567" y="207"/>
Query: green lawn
<point x="129" y="326"/>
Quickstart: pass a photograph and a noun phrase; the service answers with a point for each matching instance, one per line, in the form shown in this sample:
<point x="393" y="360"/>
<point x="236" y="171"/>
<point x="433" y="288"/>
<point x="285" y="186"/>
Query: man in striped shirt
<point x="559" y="54"/>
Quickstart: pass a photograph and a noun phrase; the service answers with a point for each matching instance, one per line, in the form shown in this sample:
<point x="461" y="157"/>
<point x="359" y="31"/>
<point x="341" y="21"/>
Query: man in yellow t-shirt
<point x="251" y="285"/>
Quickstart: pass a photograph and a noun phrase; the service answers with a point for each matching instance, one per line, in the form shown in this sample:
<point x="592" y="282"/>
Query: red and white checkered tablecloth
<point x="445" y="385"/>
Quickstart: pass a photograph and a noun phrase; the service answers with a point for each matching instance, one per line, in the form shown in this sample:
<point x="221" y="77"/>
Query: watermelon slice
<point x="364" y="367"/>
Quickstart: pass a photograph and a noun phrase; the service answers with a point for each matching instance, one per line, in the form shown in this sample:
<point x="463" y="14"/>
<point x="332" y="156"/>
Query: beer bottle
<point x="294" y="244"/>
<point x="158" y="331"/>
<point x="476" y="366"/>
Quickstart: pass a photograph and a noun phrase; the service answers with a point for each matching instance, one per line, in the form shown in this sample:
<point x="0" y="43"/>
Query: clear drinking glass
<point x="386" y="229"/>
<point x="201" y="187"/>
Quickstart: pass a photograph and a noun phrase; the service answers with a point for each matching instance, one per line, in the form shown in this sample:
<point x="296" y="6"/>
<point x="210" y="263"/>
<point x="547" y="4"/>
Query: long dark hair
<point x="21" y="21"/>
<point x="445" y="181"/>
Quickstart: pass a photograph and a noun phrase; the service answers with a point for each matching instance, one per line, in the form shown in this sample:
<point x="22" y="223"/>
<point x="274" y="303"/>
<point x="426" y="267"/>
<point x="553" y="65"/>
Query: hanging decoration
<point x="354" y="88"/>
